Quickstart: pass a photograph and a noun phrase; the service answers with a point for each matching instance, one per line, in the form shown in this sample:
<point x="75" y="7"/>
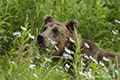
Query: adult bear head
<point x="62" y="36"/>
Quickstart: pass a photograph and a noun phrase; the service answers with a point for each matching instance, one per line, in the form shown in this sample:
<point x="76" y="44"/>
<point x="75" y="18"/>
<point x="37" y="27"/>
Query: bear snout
<point x="40" y="39"/>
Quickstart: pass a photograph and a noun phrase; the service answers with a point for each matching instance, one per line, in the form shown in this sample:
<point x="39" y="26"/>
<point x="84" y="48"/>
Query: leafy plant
<point x="20" y="57"/>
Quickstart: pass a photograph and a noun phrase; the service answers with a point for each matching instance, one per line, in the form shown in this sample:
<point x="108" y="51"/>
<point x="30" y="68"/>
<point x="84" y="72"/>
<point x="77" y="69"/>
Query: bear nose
<point x="40" y="39"/>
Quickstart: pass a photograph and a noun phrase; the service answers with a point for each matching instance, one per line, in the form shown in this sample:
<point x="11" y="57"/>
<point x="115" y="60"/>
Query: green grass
<point x="96" y="22"/>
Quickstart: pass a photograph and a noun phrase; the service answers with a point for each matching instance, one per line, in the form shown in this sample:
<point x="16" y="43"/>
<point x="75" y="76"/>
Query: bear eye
<point x="44" y="28"/>
<point x="55" y="30"/>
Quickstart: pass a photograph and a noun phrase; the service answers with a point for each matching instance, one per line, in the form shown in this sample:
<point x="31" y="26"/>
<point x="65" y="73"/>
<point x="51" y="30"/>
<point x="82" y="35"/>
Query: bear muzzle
<point x="40" y="39"/>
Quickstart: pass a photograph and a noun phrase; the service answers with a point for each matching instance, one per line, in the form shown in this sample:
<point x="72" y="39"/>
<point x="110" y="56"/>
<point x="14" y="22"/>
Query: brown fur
<point x="60" y="33"/>
<point x="98" y="52"/>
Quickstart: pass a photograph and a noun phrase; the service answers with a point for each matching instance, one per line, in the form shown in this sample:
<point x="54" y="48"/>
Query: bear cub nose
<point x="40" y="39"/>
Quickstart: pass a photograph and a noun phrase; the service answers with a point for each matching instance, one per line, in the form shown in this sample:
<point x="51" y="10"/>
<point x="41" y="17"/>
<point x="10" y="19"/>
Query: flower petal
<point x="86" y="44"/>
<point x="32" y="66"/>
<point x="35" y="75"/>
<point x="67" y="65"/>
<point x="52" y="42"/>
<point x="105" y="59"/>
<point x="31" y="36"/>
<point x="17" y="33"/>
<point x="23" y="28"/>
<point x="71" y="40"/>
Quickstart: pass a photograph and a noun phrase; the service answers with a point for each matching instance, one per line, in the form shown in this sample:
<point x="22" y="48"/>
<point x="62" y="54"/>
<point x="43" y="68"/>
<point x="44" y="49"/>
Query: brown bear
<point x="65" y="38"/>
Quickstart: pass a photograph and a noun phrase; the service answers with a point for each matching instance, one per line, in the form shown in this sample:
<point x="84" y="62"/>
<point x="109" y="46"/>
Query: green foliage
<point x="96" y="23"/>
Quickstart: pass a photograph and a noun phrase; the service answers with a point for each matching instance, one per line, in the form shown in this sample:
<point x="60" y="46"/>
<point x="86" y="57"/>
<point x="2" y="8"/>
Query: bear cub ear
<point x="48" y="18"/>
<point x="71" y="25"/>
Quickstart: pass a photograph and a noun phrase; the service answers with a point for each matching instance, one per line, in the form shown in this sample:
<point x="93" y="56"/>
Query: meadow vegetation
<point x="22" y="20"/>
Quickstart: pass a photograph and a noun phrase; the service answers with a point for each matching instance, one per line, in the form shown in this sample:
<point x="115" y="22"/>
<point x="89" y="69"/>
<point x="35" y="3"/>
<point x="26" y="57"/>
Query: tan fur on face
<point x="61" y="39"/>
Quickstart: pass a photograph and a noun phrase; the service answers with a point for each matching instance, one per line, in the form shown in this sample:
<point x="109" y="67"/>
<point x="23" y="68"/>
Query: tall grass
<point x="96" y="23"/>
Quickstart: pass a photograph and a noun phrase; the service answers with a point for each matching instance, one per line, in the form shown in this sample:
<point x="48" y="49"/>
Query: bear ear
<point x="48" y="18"/>
<point x="72" y="25"/>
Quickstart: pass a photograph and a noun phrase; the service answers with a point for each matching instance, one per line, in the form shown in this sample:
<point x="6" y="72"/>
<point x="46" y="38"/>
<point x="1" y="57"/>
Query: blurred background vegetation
<point x="96" y="20"/>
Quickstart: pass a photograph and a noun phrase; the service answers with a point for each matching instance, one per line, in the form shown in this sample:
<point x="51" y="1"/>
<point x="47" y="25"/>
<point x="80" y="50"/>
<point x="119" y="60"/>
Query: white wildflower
<point x="31" y="61"/>
<point x="42" y="65"/>
<point x="118" y="38"/>
<point x="68" y="51"/>
<point x="67" y="56"/>
<point x="56" y="47"/>
<point x="12" y="62"/>
<point x="61" y="67"/>
<point x="117" y="21"/>
<point x="112" y="39"/>
<point x="86" y="56"/>
<point x="82" y="63"/>
<point x="90" y="70"/>
<point x="105" y="59"/>
<point x="102" y="64"/>
<point x="47" y="67"/>
<point x="48" y="59"/>
<point x="48" y="49"/>
<point x="116" y="71"/>
<point x="52" y="42"/>
<point x="37" y="57"/>
<point x="98" y="72"/>
<point x="23" y="28"/>
<point x="67" y="65"/>
<point x="70" y="57"/>
<point x="38" y="54"/>
<point x="93" y="59"/>
<point x="35" y="75"/>
<point x="17" y="33"/>
<point x="71" y="40"/>
<point x="89" y="75"/>
<point x="115" y="32"/>
<point x="31" y="36"/>
<point x="82" y="73"/>
<point x="32" y="66"/>
<point x="86" y="44"/>
<point x="106" y="69"/>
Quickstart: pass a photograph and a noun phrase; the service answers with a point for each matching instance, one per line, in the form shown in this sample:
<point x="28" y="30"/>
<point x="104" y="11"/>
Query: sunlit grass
<point x="21" y="22"/>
